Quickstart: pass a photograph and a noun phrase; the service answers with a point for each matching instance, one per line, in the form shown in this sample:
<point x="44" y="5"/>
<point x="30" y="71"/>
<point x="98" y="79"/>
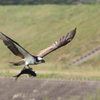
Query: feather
<point x="61" y="42"/>
<point x="14" y="46"/>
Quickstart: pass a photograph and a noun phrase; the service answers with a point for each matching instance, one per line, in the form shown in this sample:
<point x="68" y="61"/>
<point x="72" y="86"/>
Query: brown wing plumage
<point x="61" y="42"/>
<point x="13" y="46"/>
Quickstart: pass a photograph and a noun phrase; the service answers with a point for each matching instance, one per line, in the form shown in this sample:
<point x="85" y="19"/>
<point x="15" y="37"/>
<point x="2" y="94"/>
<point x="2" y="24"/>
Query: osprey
<point x="29" y="59"/>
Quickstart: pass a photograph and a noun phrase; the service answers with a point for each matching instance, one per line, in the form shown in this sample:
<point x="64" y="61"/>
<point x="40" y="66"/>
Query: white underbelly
<point x="29" y="60"/>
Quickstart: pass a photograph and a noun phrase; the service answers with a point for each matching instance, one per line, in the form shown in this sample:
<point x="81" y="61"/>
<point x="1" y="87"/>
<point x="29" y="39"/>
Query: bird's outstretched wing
<point x="14" y="46"/>
<point x="61" y="42"/>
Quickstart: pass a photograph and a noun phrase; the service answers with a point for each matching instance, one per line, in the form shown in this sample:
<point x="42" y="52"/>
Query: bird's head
<point x="40" y="60"/>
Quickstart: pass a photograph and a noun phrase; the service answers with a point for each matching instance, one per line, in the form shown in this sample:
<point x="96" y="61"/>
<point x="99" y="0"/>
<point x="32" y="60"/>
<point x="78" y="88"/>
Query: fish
<point x="28" y="71"/>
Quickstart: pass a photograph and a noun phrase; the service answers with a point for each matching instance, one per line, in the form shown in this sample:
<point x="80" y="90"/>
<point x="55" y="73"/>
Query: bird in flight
<point x="29" y="59"/>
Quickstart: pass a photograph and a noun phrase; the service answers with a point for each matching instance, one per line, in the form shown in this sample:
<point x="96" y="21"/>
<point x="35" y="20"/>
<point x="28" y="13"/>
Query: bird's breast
<point x="29" y="60"/>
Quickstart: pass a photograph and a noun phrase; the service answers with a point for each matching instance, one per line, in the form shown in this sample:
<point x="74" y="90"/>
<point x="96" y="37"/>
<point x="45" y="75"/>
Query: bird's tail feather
<point x="17" y="63"/>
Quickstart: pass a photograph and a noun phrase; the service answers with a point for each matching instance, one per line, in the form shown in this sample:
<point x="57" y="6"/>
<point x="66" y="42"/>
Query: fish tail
<point x="16" y="77"/>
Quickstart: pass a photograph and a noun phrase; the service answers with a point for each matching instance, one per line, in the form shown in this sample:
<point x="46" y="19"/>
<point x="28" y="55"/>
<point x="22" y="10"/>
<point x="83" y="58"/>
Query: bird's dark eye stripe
<point x="36" y="59"/>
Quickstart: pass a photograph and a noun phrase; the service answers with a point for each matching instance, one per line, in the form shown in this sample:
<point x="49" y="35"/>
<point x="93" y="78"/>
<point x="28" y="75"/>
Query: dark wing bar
<point x="13" y="46"/>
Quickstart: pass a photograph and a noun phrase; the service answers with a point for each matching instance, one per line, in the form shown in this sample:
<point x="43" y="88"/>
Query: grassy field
<point x="37" y="27"/>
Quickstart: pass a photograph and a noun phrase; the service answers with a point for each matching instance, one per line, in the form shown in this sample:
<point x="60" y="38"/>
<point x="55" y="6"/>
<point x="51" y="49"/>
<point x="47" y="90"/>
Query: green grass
<point x="37" y="27"/>
<point x="58" y="72"/>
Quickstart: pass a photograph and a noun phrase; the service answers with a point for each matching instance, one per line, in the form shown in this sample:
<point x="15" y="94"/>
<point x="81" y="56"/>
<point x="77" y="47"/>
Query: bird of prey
<point x="29" y="59"/>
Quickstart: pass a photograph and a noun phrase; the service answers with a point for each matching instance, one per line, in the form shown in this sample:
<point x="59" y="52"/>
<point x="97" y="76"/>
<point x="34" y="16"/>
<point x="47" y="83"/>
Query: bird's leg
<point x="24" y="67"/>
<point x="29" y="67"/>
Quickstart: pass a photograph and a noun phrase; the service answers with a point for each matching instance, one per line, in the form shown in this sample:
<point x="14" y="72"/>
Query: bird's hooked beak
<point x="43" y="61"/>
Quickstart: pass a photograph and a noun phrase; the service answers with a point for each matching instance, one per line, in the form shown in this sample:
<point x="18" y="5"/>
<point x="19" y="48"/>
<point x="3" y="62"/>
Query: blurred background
<point x="36" y="24"/>
<point x="71" y="72"/>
